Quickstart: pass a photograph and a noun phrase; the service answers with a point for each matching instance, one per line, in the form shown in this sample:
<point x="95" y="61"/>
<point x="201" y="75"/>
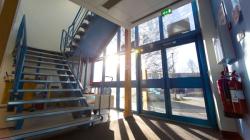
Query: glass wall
<point x="149" y="32"/>
<point x="180" y="21"/>
<point x="122" y="67"/>
<point x="188" y="102"/>
<point x="151" y="65"/>
<point x="166" y="69"/>
<point x="153" y="100"/>
<point x="98" y="67"/>
<point x="133" y="96"/>
<point x="181" y="63"/>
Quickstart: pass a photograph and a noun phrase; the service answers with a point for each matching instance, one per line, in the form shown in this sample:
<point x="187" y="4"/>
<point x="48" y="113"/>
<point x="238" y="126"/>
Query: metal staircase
<point x="58" y="89"/>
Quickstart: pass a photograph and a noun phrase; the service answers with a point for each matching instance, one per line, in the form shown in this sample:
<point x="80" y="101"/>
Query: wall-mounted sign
<point x="166" y="11"/>
<point x="236" y="11"/>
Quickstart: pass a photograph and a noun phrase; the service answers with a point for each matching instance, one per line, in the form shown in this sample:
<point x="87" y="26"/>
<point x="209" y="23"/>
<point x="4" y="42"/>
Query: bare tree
<point x="192" y="66"/>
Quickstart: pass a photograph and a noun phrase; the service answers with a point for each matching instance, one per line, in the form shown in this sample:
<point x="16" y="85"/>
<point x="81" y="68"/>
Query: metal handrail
<point x="20" y="47"/>
<point x="67" y="37"/>
<point x="19" y="50"/>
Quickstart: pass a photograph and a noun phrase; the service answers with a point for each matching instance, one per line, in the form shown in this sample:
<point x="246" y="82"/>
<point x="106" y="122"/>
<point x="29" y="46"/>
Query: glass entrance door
<point x="173" y="83"/>
<point x="185" y="88"/>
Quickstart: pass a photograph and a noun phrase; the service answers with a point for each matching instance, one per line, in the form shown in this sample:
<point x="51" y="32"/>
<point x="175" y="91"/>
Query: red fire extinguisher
<point x="225" y="95"/>
<point x="237" y="95"/>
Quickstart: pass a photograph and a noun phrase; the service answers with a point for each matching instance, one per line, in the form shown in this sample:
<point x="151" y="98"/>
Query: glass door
<point x="186" y="91"/>
<point x="173" y="80"/>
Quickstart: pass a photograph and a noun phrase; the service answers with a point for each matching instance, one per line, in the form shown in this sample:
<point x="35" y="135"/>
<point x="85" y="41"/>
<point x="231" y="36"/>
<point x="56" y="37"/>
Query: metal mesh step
<point x="47" y="58"/>
<point x="38" y="101"/>
<point x="48" y="90"/>
<point x="58" y="127"/>
<point x="47" y="81"/>
<point x="44" y="54"/>
<point x="47" y="113"/>
<point x="48" y="74"/>
<point x="46" y="68"/>
<point x="45" y="62"/>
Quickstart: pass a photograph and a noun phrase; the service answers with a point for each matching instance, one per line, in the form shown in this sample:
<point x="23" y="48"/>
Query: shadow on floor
<point x="163" y="129"/>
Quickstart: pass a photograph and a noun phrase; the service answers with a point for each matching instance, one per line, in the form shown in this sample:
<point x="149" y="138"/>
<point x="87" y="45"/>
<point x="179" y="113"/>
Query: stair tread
<point x="45" y="62"/>
<point x="47" y="113"/>
<point x="48" y="68"/>
<point x="46" y="74"/>
<point x="49" y="58"/>
<point x="37" y="101"/>
<point x="47" y="90"/>
<point x="20" y="134"/>
<point x="44" y="53"/>
<point x="47" y="81"/>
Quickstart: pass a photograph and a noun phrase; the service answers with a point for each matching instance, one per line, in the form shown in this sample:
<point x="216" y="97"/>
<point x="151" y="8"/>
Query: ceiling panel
<point x="128" y="13"/>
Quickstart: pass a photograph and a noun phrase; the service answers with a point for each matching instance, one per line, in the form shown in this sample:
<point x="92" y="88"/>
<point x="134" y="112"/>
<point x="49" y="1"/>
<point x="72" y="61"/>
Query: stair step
<point x="44" y="62"/>
<point x="47" y="74"/>
<point x="54" y="128"/>
<point x="48" y="90"/>
<point x="47" y="68"/>
<point x="38" y="101"/>
<point x="47" y="81"/>
<point x="44" y="53"/>
<point x="47" y="58"/>
<point x="47" y="113"/>
<point x="84" y="25"/>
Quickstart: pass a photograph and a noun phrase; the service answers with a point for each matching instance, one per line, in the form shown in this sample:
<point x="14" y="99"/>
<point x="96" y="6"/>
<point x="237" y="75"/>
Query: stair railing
<point x="19" y="53"/>
<point x="67" y="37"/>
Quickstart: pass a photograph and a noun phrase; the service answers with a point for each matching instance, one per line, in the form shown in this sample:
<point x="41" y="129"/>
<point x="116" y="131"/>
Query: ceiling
<point x="128" y="13"/>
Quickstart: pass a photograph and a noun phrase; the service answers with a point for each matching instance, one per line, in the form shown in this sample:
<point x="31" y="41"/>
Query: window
<point x="133" y="96"/>
<point x="151" y="65"/>
<point x="153" y="100"/>
<point x="112" y="47"/>
<point x="98" y="71"/>
<point x="181" y="20"/>
<point x="133" y="38"/>
<point x="122" y="98"/>
<point x="111" y="68"/>
<point x="149" y="31"/>
<point x="113" y="93"/>
<point x="134" y="99"/>
<point x="122" y="40"/>
<point x="188" y="102"/>
<point x="181" y="63"/>
<point x="133" y="67"/>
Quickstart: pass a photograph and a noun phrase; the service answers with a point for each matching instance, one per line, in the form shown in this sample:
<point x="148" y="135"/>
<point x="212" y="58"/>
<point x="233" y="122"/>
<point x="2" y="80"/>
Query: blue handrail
<point x="67" y="37"/>
<point x="20" y="47"/>
<point x="20" y="50"/>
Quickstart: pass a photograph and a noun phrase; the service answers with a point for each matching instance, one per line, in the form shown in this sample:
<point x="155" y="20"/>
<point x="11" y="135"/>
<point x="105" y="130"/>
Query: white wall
<point x="209" y="32"/>
<point x="45" y="20"/>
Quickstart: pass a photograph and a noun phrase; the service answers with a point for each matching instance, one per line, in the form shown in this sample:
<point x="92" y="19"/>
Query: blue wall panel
<point x="97" y="36"/>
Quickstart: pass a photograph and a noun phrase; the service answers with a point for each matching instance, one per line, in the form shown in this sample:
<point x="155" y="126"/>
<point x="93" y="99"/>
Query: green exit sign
<point x="166" y="11"/>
